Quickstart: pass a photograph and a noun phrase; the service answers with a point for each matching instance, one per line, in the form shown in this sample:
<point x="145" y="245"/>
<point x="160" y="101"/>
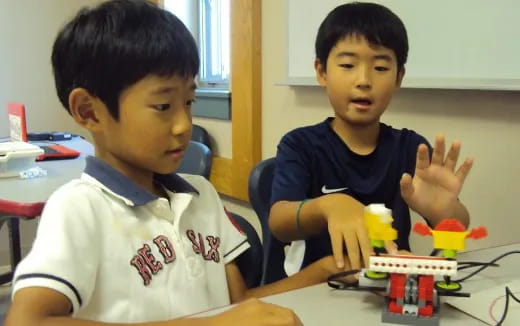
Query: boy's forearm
<point x="460" y="213"/>
<point x="313" y="274"/>
<point x="312" y="217"/>
<point x="30" y="314"/>
<point x="68" y="321"/>
<point x="282" y="220"/>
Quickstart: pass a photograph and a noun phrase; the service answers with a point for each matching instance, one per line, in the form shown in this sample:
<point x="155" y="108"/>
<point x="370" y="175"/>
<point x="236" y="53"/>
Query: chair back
<point x="250" y="262"/>
<point x="260" y="183"/>
<point x="200" y="135"/>
<point x="197" y="160"/>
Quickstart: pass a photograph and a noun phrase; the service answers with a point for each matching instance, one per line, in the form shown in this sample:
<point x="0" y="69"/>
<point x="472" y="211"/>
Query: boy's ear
<point x="400" y="76"/>
<point x="321" y="73"/>
<point x="84" y="108"/>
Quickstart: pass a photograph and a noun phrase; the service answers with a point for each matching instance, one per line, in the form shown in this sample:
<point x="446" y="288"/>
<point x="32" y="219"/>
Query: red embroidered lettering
<point x="199" y="246"/>
<point x="213" y="254"/>
<point x="142" y="268"/>
<point x="193" y="238"/>
<point x="149" y="259"/>
<point x="165" y="248"/>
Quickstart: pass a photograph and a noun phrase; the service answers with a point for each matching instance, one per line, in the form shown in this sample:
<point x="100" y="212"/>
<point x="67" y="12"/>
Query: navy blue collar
<point x="123" y="186"/>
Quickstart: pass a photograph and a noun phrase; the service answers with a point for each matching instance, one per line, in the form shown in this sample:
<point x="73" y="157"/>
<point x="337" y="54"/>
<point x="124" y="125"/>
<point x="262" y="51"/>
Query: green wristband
<point x="298" y="226"/>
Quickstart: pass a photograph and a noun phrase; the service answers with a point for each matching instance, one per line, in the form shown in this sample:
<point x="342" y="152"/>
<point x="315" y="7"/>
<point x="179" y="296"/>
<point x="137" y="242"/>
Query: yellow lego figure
<point x="378" y="221"/>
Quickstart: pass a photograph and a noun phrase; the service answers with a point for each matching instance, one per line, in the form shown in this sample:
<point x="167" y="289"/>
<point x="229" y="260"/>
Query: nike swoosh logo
<point x="329" y="191"/>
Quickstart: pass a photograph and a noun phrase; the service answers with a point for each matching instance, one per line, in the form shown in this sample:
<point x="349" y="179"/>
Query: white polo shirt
<point x="122" y="254"/>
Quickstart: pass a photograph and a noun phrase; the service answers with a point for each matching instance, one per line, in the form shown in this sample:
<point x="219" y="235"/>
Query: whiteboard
<point x="457" y="44"/>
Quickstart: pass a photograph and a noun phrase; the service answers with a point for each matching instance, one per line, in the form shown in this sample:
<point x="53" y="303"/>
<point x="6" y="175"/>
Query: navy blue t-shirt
<point x="313" y="161"/>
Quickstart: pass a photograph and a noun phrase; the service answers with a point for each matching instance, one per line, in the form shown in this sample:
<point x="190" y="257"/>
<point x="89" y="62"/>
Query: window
<point x="208" y="20"/>
<point x="181" y="9"/>
<point x="214" y="41"/>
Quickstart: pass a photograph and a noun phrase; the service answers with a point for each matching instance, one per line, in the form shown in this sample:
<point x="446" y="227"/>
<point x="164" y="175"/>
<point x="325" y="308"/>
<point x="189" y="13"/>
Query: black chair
<point x="250" y="262"/>
<point x="260" y="182"/>
<point x="197" y="160"/>
<point x="200" y="135"/>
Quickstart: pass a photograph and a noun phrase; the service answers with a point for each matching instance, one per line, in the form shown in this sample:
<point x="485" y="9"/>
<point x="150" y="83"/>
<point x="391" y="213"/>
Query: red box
<point x="17" y="122"/>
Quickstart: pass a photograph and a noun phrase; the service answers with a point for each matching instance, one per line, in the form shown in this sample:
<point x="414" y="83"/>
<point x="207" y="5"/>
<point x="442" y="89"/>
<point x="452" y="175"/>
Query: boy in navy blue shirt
<point x="327" y="173"/>
<point x="130" y="242"/>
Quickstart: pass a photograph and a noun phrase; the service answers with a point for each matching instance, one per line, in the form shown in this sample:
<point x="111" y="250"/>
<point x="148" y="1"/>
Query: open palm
<point x="436" y="185"/>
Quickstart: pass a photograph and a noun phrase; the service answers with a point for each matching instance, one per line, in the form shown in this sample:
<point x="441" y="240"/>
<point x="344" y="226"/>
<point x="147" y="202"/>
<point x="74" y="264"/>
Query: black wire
<point x="334" y="282"/>
<point x="506" y="306"/>
<point x="486" y="265"/>
<point x="471" y="264"/>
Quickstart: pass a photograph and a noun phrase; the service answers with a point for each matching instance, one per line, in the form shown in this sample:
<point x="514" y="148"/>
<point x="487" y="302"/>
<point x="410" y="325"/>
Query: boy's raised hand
<point x="434" y="190"/>
<point x="254" y="312"/>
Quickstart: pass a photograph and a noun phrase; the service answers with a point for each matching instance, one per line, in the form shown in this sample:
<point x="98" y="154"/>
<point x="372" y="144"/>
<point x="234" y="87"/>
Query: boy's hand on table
<point x="346" y="227"/>
<point x="329" y="267"/>
<point x="436" y="185"/>
<point x="254" y="312"/>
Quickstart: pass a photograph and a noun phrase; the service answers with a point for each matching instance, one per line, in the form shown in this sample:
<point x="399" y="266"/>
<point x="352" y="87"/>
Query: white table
<point x="320" y="305"/>
<point x="59" y="172"/>
<point x="39" y="189"/>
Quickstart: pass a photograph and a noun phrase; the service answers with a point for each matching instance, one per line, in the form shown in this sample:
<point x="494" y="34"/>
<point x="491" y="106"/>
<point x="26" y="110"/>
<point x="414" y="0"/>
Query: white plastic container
<point x="16" y="157"/>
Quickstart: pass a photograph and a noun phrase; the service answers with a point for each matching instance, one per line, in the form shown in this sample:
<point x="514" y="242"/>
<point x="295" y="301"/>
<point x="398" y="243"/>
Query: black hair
<point x="378" y="24"/>
<point x="108" y="48"/>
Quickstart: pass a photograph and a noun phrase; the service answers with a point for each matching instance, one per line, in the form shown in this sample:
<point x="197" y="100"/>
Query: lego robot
<point x="409" y="281"/>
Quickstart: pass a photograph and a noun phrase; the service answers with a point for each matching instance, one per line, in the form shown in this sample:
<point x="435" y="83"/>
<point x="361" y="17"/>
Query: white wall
<point x="27" y="31"/>
<point x="446" y="45"/>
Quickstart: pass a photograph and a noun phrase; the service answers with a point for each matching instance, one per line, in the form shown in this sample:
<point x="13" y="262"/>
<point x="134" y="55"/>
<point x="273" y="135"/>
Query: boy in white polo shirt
<point x="130" y="242"/>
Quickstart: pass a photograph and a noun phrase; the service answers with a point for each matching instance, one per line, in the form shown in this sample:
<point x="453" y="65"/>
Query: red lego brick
<point x="426" y="285"/>
<point x="397" y="284"/>
<point x="393" y="307"/>
<point x="426" y="311"/>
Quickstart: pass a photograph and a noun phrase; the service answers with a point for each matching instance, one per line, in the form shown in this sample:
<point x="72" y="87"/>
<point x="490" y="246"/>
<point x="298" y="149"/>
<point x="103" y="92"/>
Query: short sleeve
<point x="292" y="175"/>
<point x="237" y="243"/>
<point x="65" y="253"/>
<point x="231" y="240"/>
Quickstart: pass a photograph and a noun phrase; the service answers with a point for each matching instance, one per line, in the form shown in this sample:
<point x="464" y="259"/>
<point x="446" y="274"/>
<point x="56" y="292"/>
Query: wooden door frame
<point x="230" y="176"/>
